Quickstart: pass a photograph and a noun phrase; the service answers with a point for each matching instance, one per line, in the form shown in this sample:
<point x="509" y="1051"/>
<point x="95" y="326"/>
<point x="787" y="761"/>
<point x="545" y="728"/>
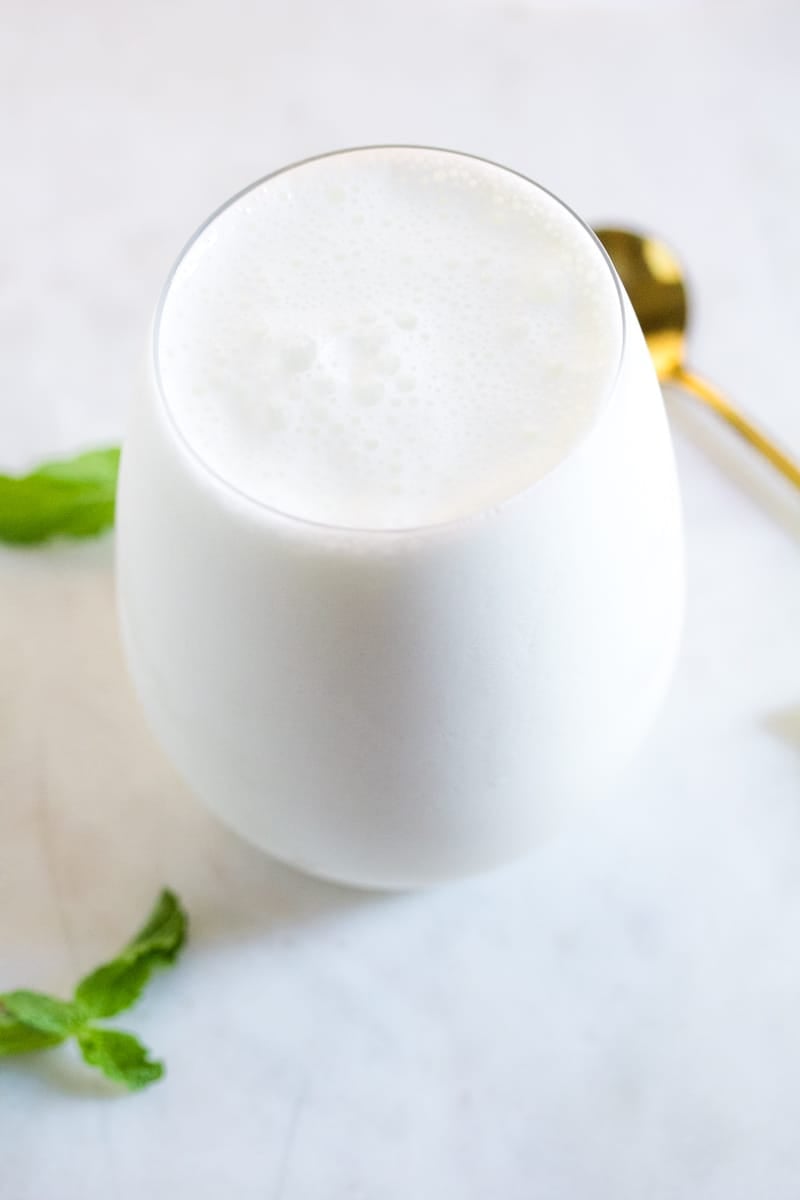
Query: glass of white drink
<point x="400" y="561"/>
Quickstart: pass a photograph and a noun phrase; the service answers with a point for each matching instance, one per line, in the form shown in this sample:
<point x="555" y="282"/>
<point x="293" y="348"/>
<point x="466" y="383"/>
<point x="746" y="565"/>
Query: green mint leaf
<point x="34" y="1021"/>
<point x="117" y="984"/>
<point x="164" y="931"/>
<point x="18" y="1038"/>
<point x="113" y="988"/>
<point x="120" y="1057"/>
<point x="74" y="497"/>
<point x="44" y="1013"/>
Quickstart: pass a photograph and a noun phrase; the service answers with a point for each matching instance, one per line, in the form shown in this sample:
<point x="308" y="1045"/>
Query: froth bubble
<point x="388" y="364"/>
<point x="368" y="343"/>
<point x="298" y="353"/>
<point x="406" y="320"/>
<point x="368" y="392"/>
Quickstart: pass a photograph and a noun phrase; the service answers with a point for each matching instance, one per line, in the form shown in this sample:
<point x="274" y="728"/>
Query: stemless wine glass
<point x="390" y="708"/>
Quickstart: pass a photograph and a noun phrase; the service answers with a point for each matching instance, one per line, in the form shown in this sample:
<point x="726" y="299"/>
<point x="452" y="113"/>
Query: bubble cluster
<point x="388" y="338"/>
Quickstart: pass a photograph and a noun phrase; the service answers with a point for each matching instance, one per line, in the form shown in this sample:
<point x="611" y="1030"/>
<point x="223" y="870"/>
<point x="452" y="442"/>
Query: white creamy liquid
<point x="398" y="534"/>
<point x="388" y="338"/>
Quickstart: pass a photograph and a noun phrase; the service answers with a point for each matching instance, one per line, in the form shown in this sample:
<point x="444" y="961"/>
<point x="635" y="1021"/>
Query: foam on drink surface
<point x="390" y="338"/>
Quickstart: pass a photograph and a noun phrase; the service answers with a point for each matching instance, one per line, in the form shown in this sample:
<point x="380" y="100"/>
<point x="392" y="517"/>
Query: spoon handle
<point x="761" y="441"/>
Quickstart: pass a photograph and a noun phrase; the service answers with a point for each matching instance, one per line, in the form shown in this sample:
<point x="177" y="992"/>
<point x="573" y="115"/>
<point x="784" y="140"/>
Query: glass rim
<point x="382" y="531"/>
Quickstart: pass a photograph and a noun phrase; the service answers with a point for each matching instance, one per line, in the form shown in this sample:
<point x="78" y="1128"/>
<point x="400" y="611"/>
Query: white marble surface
<point x="618" y="1017"/>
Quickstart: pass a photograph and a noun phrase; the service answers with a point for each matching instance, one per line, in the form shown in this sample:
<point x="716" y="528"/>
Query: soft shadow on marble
<point x="62" y="1070"/>
<point x="735" y="461"/>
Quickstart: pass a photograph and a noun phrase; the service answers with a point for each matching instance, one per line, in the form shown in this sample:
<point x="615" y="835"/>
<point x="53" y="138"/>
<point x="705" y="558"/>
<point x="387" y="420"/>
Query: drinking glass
<point x="391" y="708"/>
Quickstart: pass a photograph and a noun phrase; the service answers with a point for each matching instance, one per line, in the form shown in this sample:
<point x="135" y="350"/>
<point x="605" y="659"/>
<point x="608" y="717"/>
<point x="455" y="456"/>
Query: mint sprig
<point x="35" y="1021"/>
<point x="72" y="497"/>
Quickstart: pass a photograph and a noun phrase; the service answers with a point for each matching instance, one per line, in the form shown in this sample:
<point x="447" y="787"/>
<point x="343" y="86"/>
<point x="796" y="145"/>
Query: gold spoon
<point x="653" y="279"/>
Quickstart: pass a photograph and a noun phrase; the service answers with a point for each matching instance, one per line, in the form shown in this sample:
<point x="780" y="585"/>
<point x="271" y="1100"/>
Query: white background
<point x="618" y="1017"/>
